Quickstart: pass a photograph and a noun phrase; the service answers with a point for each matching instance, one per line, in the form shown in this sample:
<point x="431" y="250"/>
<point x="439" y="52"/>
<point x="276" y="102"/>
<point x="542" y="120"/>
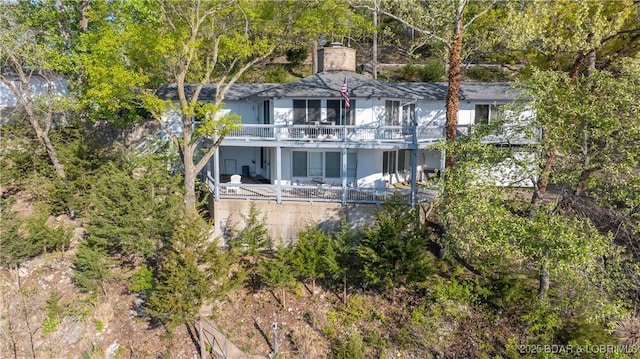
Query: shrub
<point x="277" y="74"/>
<point x="296" y="56"/>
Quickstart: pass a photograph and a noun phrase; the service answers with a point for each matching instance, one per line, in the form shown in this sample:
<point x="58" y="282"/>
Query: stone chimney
<point x="336" y="57"/>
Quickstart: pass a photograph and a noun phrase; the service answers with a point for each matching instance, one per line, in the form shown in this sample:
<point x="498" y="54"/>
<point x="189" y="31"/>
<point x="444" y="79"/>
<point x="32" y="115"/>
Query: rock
<point x="112" y="350"/>
<point x="72" y="333"/>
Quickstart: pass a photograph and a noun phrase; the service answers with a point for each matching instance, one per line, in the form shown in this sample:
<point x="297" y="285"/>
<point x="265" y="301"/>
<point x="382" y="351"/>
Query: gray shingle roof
<point x="478" y="91"/>
<point x="328" y="84"/>
<point x="237" y="91"/>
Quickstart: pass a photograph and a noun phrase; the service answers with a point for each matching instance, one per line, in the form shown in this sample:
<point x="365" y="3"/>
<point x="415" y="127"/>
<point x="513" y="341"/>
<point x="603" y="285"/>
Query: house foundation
<point x="283" y="221"/>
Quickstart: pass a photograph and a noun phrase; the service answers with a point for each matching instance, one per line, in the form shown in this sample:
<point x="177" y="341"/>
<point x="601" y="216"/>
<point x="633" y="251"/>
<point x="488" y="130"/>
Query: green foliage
<point x="297" y="55"/>
<point x="181" y="285"/>
<point x="558" y="35"/>
<point x="253" y="238"/>
<point x="351" y="346"/>
<point x="53" y="311"/>
<point x="49" y="325"/>
<point x="354" y="311"/>
<point x="277" y="273"/>
<point x="485" y="74"/>
<point x="142" y="281"/>
<point x="393" y="252"/>
<point x="432" y="70"/>
<point x="339" y="258"/>
<point x="308" y="253"/>
<point x="99" y="326"/>
<point x="91" y="266"/>
<point x="133" y="208"/>
<point x="277" y="74"/>
<point x="453" y="298"/>
<point x="23" y="239"/>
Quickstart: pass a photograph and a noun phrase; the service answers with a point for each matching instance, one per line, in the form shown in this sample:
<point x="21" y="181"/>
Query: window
<point x="396" y="161"/>
<point x="409" y="115"/>
<point x="266" y="112"/>
<point x="317" y="164"/>
<point x="299" y="164"/>
<point x="392" y="113"/>
<point x="336" y="112"/>
<point x="389" y="162"/>
<point x="404" y="160"/>
<point x="352" y="164"/>
<point x="305" y="111"/>
<point x="485" y="114"/>
<point x="332" y="164"/>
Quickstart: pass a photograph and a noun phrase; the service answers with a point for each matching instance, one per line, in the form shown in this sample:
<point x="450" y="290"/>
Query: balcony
<point x="253" y="190"/>
<point x="320" y="131"/>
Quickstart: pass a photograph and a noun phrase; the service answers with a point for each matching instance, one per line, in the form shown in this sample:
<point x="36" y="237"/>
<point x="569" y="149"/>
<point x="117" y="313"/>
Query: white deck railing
<point x="318" y="193"/>
<point x="335" y="133"/>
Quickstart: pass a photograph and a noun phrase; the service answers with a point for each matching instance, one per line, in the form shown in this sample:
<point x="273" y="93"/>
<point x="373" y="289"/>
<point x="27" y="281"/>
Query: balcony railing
<point x="318" y="193"/>
<point x="505" y="134"/>
<point x="328" y="132"/>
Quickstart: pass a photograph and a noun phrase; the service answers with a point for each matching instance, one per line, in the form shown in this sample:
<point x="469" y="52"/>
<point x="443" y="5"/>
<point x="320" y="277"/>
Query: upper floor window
<point x="486" y="114"/>
<point x="338" y="114"/>
<point x="409" y="115"/>
<point x="305" y="111"/>
<point x="392" y="113"/>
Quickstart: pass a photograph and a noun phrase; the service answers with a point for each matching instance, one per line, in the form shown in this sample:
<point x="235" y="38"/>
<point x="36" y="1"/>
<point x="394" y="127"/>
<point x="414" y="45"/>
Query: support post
<point x="216" y="174"/>
<point x="344" y="176"/>
<point x="274" y="327"/>
<point x="414" y="166"/>
<point x="279" y="174"/>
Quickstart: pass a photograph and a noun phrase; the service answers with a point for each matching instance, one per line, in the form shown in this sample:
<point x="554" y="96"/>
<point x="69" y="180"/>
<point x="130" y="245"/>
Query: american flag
<point x="345" y="94"/>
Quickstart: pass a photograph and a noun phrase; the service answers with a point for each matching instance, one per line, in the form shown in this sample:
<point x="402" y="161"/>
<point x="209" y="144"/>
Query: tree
<point x="393" y="251"/>
<point x="571" y="37"/>
<point x="252" y="240"/>
<point x="308" y="252"/>
<point x="133" y="208"/>
<point x="212" y="41"/>
<point x="446" y="23"/>
<point x="340" y="259"/>
<point x="31" y="65"/>
<point x="277" y="273"/>
<point x="182" y="281"/>
<point x="491" y="232"/>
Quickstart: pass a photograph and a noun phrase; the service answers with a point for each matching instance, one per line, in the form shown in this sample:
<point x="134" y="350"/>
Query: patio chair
<point x="235" y="180"/>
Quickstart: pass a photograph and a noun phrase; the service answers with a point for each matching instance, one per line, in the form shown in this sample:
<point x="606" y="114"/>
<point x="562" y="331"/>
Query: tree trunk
<point x="53" y="156"/>
<point x="374" y="47"/>
<point x="451" y="124"/>
<point x="188" y="151"/>
<point x="43" y="136"/>
<point x="189" y="191"/>
<point x="344" y="288"/>
<point x="540" y="186"/>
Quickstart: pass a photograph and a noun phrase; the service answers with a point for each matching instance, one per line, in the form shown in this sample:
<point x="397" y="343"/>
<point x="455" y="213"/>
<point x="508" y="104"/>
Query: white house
<point x="301" y="144"/>
<point x="301" y="141"/>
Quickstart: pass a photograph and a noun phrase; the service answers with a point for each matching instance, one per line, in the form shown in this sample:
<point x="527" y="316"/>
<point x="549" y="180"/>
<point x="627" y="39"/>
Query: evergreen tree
<point x="182" y="283"/>
<point x="277" y="273"/>
<point x="307" y="254"/>
<point x="393" y="251"/>
<point x="252" y="241"/>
